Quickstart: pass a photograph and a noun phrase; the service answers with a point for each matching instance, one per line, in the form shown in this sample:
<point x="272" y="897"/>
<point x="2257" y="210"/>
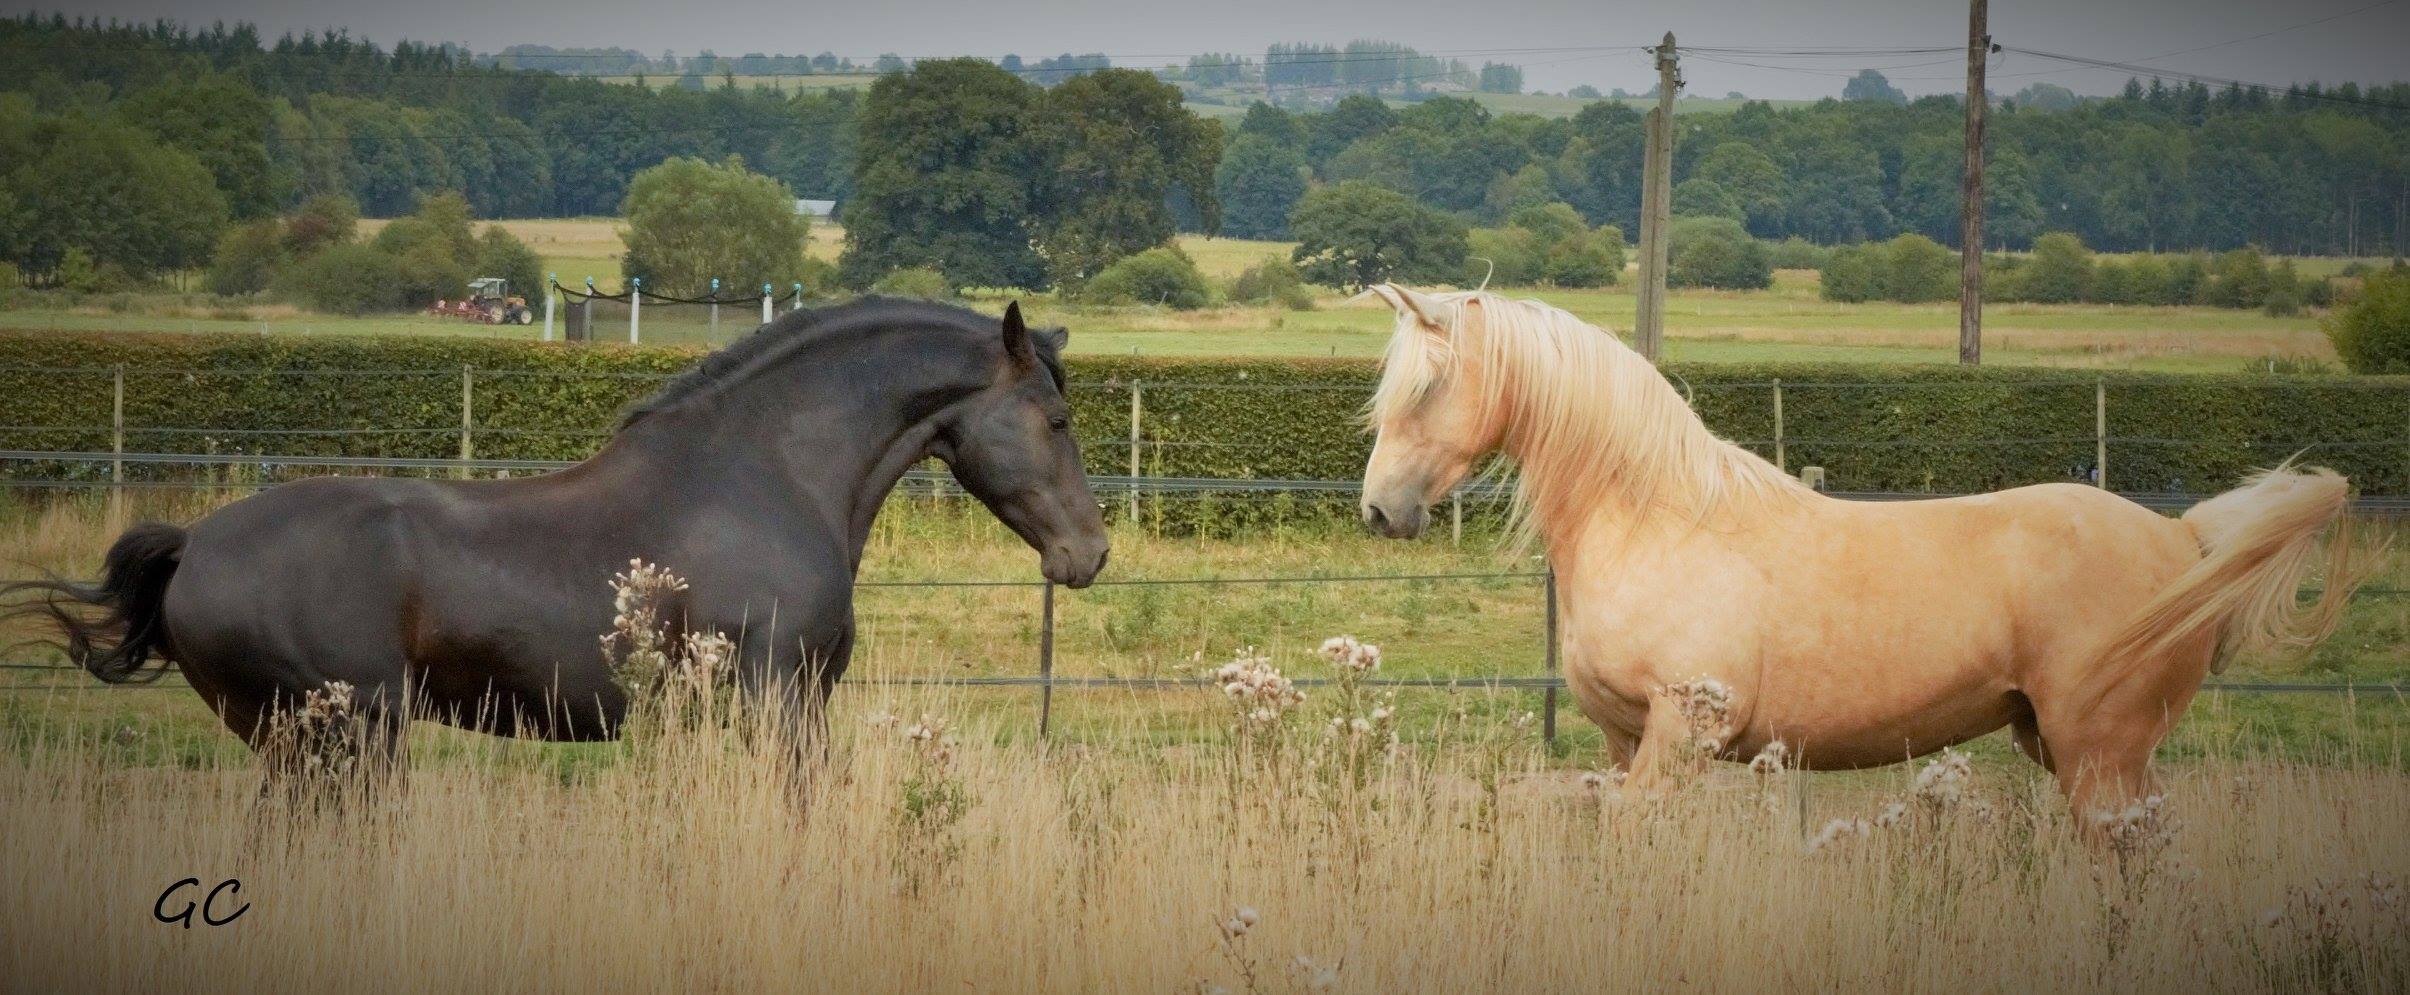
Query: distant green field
<point x="1787" y="323"/>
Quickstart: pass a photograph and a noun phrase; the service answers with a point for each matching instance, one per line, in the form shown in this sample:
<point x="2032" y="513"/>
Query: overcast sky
<point x="2361" y="44"/>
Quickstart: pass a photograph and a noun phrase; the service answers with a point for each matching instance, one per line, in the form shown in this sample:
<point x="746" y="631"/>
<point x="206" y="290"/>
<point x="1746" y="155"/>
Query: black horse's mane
<point x="795" y="329"/>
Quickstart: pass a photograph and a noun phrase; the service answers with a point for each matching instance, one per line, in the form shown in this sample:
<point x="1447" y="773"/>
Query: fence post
<point x="713" y="337"/>
<point x="1046" y="661"/>
<point x="551" y="280"/>
<point x="635" y="308"/>
<point x="1548" y="710"/>
<point x="1137" y="409"/>
<point x="117" y="444"/>
<point x="1781" y="458"/>
<point x="1456" y="518"/>
<point x="468" y="417"/>
<point x="2100" y="431"/>
<point x="766" y="302"/>
<point x="585" y="325"/>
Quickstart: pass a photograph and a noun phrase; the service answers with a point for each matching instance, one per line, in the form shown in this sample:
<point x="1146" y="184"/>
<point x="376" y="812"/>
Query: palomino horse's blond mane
<point x="1586" y="418"/>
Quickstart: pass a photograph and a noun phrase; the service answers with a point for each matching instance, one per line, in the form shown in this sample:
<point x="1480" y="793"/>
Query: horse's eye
<point x="1059" y="423"/>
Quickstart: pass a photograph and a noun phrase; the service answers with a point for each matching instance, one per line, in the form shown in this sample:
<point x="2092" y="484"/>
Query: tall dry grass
<point x="1289" y="856"/>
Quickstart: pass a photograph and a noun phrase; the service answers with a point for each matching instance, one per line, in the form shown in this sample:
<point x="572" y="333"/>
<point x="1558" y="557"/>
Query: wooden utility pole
<point x="1656" y="206"/>
<point x="1970" y="229"/>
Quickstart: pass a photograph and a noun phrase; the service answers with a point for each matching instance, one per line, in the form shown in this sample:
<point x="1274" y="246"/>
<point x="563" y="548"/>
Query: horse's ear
<point x="1016" y="336"/>
<point x="1422" y="307"/>
<point x="1054" y="339"/>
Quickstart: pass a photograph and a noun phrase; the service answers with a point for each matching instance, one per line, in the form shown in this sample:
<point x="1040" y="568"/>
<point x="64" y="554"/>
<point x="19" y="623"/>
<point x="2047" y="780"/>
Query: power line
<point x="2290" y="90"/>
<point x="2272" y="33"/>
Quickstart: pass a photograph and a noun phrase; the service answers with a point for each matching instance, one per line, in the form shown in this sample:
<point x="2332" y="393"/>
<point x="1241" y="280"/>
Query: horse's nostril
<point x="1374" y="517"/>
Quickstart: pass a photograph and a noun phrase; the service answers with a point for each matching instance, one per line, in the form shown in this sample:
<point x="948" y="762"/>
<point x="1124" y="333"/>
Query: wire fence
<point x="1541" y="674"/>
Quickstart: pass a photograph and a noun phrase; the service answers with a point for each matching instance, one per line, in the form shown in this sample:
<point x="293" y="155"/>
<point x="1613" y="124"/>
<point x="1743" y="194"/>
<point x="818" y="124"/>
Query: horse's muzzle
<point x="1074" y="564"/>
<point x="1403" y="522"/>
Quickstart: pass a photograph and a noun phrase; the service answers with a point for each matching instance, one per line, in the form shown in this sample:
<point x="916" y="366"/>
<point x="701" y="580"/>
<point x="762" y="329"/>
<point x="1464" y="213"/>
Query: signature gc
<point x="184" y="900"/>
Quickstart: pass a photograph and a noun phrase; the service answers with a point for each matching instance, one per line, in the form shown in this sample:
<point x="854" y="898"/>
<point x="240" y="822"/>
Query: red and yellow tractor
<point x="489" y="301"/>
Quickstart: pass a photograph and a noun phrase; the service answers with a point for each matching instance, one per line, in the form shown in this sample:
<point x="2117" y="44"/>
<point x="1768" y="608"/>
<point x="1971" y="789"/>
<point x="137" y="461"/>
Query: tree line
<point x="139" y="142"/>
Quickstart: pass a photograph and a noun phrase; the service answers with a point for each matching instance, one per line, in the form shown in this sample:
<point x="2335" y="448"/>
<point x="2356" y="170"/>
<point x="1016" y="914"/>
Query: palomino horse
<point x="756" y="475"/>
<point x="1856" y="633"/>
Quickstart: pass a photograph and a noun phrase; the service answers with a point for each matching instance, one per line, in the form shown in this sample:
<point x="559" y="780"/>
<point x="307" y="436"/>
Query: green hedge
<point x="1894" y="428"/>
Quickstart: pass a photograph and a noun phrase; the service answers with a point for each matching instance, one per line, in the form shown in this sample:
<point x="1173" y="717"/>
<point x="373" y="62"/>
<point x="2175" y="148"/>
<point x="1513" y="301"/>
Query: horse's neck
<point x="1635" y="481"/>
<point x="806" y="436"/>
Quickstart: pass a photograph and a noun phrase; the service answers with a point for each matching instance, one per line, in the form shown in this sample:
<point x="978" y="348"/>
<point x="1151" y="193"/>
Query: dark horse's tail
<point x="111" y="628"/>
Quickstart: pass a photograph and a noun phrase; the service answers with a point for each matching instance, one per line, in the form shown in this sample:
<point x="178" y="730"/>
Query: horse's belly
<point x="513" y="680"/>
<point x="1856" y="724"/>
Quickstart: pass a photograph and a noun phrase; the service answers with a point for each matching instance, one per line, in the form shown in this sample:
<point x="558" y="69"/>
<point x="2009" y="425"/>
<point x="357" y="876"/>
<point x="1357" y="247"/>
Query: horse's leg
<point x="2026" y="731"/>
<point x="2102" y="757"/>
<point x="1660" y="749"/>
<point x="796" y="693"/>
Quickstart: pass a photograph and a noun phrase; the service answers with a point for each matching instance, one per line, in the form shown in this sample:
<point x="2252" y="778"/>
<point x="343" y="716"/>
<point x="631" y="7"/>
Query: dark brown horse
<point x="756" y="476"/>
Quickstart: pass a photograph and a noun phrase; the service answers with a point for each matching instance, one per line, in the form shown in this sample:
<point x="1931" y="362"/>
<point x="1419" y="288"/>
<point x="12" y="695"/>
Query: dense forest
<point x="271" y="123"/>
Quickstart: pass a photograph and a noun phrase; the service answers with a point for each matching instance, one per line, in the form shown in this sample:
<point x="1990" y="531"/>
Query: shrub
<point x="1917" y="269"/>
<point x="914" y="281"/>
<point x="2285" y="296"/>
<point x="2148" y="280"/>
<point x="346" y="279"/>
<point x="1586" y="259"/>
<point x="2187" y="276"/>
<point x="500" y="253"/>
<point x="2003" y="278"/>
<point x="2112" y="282"/>
<point x="1718" y="253"/>
<point x="819" y="277"/>
<point x="1162" y="275"/>
<point x="428" y="274"/>
<point x="2238" y="278"/>
<point x="1851" y="274"/>
<point x="2060" y="271"/>
<point x="1272" y="281"/>
<point x="2372" y="334"/>
<point x="322" y="221"/>
<point x="247" y="258"/>
<point x="402" y="236"/>
<point x="1503" y="257"/>
<point x="1552" y="222"/>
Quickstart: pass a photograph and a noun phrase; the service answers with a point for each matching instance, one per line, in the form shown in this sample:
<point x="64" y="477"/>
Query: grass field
<point x="1786" y="323"/>
<point x="1157" y="842"/>
<point x="1286" y="861"/>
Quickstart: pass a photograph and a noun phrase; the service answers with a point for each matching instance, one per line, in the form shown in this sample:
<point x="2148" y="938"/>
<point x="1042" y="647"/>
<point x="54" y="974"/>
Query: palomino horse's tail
<point x="2258" y="540"/>
<point x="110" y="628"/>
